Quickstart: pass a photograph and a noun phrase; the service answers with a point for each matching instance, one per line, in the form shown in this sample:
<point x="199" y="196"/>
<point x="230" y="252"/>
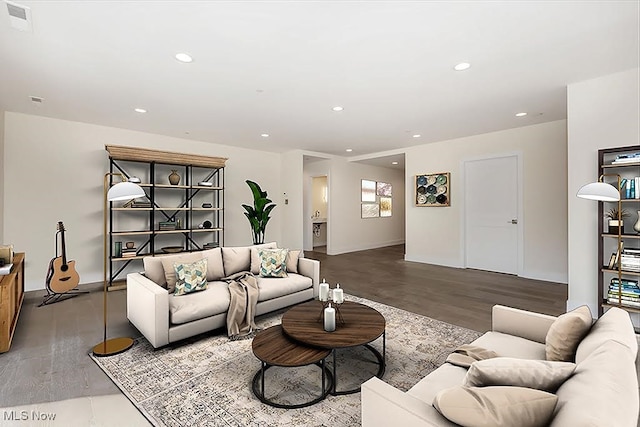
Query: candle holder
<point x="325" y="304"/>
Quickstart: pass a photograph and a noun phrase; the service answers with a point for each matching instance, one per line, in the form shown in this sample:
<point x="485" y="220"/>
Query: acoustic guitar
<point x="62" y="275"/>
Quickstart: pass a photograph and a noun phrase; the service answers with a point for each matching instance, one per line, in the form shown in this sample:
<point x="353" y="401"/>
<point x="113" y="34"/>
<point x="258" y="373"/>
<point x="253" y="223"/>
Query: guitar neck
<point x="64" y="247"/>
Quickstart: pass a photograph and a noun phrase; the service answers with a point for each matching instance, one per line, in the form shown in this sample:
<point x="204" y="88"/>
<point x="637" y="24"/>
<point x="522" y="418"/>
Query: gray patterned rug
<point x="207" y="381"/>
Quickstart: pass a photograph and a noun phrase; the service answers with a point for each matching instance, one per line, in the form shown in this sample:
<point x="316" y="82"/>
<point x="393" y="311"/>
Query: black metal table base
<point x="258" y="387"/>
<point x="381" y="366"/>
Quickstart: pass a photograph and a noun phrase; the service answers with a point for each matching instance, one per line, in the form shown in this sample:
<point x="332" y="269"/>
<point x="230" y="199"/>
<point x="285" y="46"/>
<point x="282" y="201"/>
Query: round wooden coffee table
<point x="361" y="325"/>
<point x="274" y="348"/>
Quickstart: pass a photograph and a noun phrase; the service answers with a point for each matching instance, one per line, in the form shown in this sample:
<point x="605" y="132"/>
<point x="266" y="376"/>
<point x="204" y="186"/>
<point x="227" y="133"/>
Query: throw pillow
<point x="255" y="258"/>
<point x="565" y="334"/>
<point x="539" y="374"/>
<point x="191" y="277"/>
<point x="496" y="406"/>
<point x="169" y="271"/>
<point x="292" y="261"/>
<point x="236" y="259"/>
<point x="273" y="262"/>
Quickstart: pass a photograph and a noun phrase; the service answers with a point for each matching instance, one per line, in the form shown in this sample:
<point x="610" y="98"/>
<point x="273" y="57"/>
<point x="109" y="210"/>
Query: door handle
<point x="513" y="221"/>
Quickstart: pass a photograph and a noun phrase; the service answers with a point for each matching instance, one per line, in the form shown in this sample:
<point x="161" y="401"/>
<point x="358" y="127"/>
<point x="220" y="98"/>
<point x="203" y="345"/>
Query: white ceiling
<point x="280" y="67"/>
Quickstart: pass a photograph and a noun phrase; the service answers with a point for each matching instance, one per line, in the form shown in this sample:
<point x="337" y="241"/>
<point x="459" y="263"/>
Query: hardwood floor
<point x="48" y="359"/>
<point x="462" y="297"/>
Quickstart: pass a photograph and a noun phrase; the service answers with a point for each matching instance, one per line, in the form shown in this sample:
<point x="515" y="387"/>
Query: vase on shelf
<point x="174" y="177"/>
<point x="636" y="226"/>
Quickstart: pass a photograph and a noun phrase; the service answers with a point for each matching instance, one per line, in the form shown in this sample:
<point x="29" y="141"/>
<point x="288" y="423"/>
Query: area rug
<point x="207" y="381"/>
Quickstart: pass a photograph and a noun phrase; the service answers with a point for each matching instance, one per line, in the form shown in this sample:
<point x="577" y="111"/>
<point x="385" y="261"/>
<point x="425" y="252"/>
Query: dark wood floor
<point x="462" y="297"/>
<point x="48" y="359"/>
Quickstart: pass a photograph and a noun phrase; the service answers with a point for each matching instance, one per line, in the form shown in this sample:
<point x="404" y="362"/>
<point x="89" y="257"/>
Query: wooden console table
<point x="11" y="296"/>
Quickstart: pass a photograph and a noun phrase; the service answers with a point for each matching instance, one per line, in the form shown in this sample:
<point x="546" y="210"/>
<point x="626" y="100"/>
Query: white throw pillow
<point x="539" y="374"/>
<point x="565" y="334"/>
<point x="496" y="406"/>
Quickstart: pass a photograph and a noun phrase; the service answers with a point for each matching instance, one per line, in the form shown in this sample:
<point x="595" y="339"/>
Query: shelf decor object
<point x="174" y="177"/>
<point x="121" y="191"/>
<point x="433" y="189"/>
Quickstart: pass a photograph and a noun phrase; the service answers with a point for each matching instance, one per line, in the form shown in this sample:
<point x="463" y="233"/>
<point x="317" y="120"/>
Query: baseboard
<point x="356" y="248"/>
<point x="545" y="276"/>
<point x="435" y="261"/>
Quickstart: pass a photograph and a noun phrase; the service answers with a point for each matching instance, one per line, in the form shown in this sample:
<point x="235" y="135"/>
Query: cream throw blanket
<point x="466" y="354"/>
<point x="243" y="288"/>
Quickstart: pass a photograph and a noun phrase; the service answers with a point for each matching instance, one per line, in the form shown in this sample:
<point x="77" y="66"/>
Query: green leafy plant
<point x="258" y="215"/>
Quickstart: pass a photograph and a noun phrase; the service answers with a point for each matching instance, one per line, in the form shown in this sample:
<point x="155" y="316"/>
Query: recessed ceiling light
<point x="337" y="108"/>
<point x="348" y="150"/>
<point x="394" y="163"/>
<point x="140" y="110"/>
<point x="521" y="114"/>
<point x="184" y="57"/>
<point x="462" y="66"/>
<point x="417" y="135"/>
<point x="264" y="135"/>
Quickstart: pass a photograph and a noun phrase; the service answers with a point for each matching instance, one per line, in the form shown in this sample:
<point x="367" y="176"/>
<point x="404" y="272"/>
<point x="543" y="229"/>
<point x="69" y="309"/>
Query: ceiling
<point x="278" y="68"/>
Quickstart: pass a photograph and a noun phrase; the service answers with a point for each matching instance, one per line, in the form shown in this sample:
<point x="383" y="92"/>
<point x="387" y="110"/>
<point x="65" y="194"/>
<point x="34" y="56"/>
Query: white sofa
<point x="602" y="391"/>
<point x="164" y="318"/>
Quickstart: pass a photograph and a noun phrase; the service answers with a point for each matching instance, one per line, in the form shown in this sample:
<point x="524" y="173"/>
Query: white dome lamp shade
<point x="599" y="191"/>
<point x="125" y="191"/>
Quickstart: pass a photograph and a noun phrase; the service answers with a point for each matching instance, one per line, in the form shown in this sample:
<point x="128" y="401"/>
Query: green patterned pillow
<point x="273" y="262"/>
<point x="191" y="277"/>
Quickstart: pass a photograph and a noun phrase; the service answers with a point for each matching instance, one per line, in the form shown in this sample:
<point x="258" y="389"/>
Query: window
<point x="376" y="199"/>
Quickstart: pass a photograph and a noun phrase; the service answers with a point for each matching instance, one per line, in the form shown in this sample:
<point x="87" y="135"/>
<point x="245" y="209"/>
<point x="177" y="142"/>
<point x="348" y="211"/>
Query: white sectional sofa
<point x="602" y="391"/>
<point x="163" y="317"/>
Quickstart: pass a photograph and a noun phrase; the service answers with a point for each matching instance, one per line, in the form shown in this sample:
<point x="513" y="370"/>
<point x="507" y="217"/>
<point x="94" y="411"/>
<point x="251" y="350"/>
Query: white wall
<point x="291" y="176"/>
<point x="53" y="171"/>
<point x="318" y="189"/>
<point x="434" y="234"/>
<point x="347" y="231"/>
<point x="602" y="113"/>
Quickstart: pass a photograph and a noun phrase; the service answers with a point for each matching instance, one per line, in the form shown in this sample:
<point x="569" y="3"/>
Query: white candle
<point x="324" y="291"/>
<point x="329" y="319"/>
<point x="338" y="295"/>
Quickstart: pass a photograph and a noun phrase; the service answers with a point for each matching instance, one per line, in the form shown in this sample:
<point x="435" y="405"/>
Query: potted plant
<point x="612" y="214"/>
<point x="258" y="215"/>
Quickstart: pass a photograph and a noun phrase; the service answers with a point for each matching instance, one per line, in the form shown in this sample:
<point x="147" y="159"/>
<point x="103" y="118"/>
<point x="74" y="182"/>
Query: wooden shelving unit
<point x="11" y="297"/>
<point x="168" y="202"/>
<point x="607" y="240"/>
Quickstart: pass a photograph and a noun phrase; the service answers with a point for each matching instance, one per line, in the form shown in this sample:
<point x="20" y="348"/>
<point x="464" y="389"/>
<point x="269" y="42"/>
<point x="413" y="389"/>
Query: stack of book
<point x="210" y="245"/>
<point x="167" y="225"/>
<point x="628" y="294"/>
<point x="627" y="158"/>
<point x="128" y="252"/>
<point x="630" y="260"/>
<point x="137" y="203"/>
<point x="141" y="203"/>
<point x="5" y="269"/>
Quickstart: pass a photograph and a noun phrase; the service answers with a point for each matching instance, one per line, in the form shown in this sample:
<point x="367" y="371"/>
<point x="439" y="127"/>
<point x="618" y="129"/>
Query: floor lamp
<point x="605" y="192"/>
<point x="121" y="191"/>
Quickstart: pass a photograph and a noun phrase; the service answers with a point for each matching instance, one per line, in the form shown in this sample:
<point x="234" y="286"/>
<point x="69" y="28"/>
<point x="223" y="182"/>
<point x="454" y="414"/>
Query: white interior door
<point x="491" y="214"/>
